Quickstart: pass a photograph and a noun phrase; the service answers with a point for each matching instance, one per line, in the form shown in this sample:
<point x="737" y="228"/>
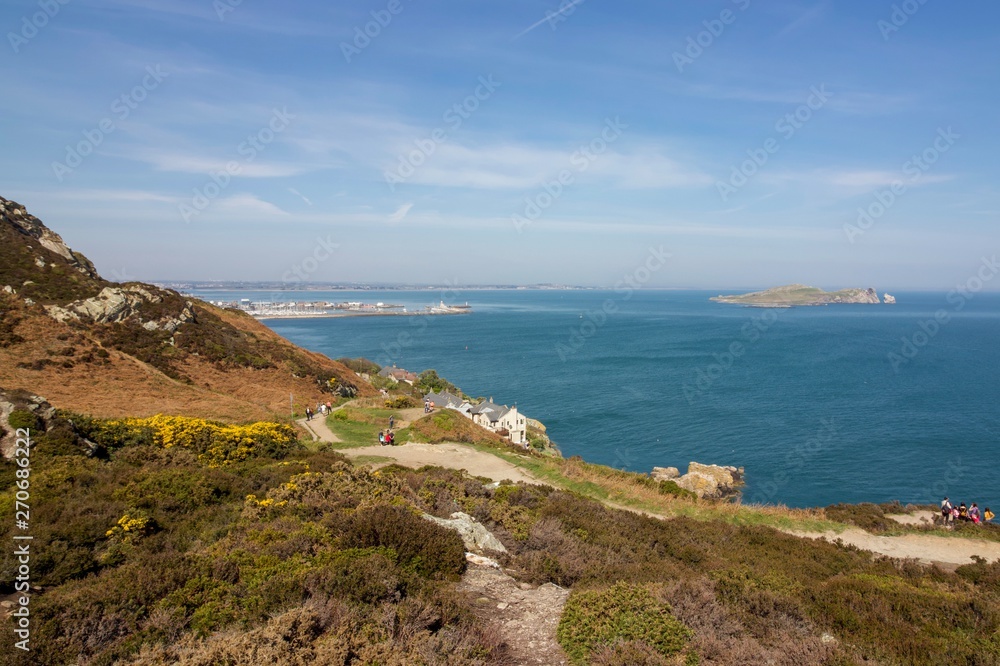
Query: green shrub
<point x="668" y="487"/>
<point x="429" y="549"/>
<point x="623" y="613"/>
<point x="22" y="418"/>
<point x="870" y="517"/>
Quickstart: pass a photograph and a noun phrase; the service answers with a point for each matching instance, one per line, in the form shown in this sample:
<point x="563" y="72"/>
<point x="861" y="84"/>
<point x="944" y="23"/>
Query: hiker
<point x="945" y="510"/>
<point x="974" y="513"/>
<point x="390" y="438"/>
<point x="988" y="515"/>
<point x="309" y="414"/>
<point x="392" y="422"/>
<point x="381" y="438"/>
<point x="329" y="407"/>
<point x="427" y="406"/>
<point x="963" y="512"/>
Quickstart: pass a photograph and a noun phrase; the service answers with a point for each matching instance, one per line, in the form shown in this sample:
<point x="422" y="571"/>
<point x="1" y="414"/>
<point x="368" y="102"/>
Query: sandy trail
<point x="926" y="548"/>
<point x="453" y="456"/>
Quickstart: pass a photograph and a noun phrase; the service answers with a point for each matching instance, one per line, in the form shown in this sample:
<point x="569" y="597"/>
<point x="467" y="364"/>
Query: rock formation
<point x="705" y="481"/>
<point x="475" y="537"/>
<point x="117" y="304"/>
<point x="29" y="225"/>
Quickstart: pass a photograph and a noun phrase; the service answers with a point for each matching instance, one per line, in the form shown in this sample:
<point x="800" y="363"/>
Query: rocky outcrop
<point x="665" y="473"/>
<point x="29" y="225"/>
<point x="18" y="401"/>
<point x="475" y="537"/>
<point x="117" y="304"/>
<point x="705" y="481"/>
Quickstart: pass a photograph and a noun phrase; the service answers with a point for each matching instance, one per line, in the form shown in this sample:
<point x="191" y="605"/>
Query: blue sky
<point x="242" y="140"/>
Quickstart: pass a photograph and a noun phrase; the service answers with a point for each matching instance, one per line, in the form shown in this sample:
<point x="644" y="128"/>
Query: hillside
<point x="111" y="349"/>
<point x="176" y="539"/>
<point x="799" y="294"/>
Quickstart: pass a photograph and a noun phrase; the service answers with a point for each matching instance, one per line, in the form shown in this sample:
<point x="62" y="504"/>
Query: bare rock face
<point x="711" y="481"/>
<point x="117" y="304"/>
<point x="30" y="225"/>
<point x="665" y="473"/>
<point x="475" y="537"/>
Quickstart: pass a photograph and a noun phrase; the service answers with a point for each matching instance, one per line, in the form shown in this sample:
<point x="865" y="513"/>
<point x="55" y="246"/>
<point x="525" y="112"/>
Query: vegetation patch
<point x="623" y="613"/>
<point x="215" y="443"/>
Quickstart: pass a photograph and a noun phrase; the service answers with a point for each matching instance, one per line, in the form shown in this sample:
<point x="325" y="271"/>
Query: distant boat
<point x="887" y="299"/>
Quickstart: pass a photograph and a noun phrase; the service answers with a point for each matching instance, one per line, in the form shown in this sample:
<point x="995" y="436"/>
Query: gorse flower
<point x="216" y="444"/>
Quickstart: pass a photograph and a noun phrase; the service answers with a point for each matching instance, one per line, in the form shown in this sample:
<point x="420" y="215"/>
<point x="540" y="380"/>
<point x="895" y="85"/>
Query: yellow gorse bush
<point x="130" y="528"/>
<point x="216" y="443"/>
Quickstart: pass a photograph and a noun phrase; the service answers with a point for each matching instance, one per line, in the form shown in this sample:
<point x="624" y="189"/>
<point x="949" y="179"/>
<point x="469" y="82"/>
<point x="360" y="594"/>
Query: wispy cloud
<point x="549" y="17"/>
<point x="401" y="213"/>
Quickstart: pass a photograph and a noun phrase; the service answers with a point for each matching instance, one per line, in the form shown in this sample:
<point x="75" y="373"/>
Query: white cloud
<point x="514" y="166"/>
<point x="246" y="204"/>
<point x="401" y="213"/>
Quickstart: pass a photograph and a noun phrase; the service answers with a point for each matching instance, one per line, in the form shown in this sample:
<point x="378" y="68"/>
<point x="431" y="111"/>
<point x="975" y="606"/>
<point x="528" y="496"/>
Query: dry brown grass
<point x="120" y="385"/>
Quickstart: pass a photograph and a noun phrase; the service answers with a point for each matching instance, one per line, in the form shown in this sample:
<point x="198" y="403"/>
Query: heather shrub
<point x="624" y="615"/>
<point x="870" y="517"/>
<point x="428" y="548"/>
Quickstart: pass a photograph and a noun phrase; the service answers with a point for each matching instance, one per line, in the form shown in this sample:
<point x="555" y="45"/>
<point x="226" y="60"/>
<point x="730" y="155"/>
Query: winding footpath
<point x="948" y="552"/>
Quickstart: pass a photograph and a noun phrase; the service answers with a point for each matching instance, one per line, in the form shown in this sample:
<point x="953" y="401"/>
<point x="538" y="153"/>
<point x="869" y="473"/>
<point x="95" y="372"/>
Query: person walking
<point x="392" y="422"/>
<point x="381" y="438"/>
<point x="945" y="510"/>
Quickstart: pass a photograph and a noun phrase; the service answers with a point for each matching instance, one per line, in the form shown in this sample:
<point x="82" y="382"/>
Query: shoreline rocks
<point x="705" y="481"/>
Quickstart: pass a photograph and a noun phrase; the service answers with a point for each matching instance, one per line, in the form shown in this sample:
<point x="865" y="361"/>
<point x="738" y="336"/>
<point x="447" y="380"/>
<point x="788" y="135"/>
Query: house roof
<point x="490" y="410"/>
<point x="444" y="399"/>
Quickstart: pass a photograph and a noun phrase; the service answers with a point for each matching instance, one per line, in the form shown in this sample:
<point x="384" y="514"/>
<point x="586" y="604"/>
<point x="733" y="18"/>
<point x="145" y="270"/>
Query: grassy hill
<point x="132" y="349"/>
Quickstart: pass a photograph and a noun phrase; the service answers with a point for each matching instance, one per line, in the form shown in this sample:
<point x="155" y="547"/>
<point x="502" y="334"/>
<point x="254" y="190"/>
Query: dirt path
<point x="526" y="616"/>
<point x="926" y="548"/>
<point x="454" y="456"/>
<point x="318" y="429"/>
<point x="948" y="551"/>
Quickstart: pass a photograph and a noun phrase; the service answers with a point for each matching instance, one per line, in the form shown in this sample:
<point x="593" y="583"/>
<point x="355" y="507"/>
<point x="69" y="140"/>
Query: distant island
<point x="799" y="294"/>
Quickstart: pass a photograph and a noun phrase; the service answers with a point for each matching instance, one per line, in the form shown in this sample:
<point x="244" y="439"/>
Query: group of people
<point x="385" y="437"/>
<point x="323" y="408"/>
<point x="970" y="514"/>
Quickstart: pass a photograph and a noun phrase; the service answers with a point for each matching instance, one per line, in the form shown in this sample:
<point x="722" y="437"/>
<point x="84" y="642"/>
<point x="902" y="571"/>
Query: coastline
<point x="334" y="315"/>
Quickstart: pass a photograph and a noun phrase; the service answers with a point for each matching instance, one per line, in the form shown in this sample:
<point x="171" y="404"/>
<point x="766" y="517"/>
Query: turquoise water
<point x="808" y="400"/>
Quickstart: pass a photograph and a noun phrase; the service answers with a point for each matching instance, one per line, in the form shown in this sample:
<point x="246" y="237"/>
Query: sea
<point x="819" y="405"/>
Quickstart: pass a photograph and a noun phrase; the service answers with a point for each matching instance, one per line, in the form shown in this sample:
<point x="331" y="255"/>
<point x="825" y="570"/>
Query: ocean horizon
<point x="827" y="404"/>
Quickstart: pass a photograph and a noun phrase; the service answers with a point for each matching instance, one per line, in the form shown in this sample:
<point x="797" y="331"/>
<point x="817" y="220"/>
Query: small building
<point x="501" y="419"/>
<point x="399" y="375"/>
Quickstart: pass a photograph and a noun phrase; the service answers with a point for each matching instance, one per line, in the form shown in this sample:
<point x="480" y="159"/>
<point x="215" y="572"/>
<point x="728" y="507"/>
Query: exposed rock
<point x="665" y="473"/>
<point x="30" y="225"/>
<point x="116" y="304"/>
<point x="711" y="481"/>
<point x="474" y="535"/>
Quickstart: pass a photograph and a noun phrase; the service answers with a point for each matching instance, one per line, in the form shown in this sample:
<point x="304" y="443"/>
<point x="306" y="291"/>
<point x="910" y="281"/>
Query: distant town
<point x="236" y="285"/>
<point x="305" y="309"/>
